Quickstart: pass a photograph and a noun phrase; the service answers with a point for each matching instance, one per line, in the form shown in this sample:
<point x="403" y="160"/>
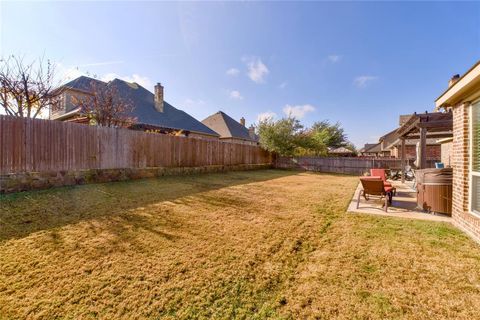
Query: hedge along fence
<point x="350" y="165"/>
<point x="28" y="145"/>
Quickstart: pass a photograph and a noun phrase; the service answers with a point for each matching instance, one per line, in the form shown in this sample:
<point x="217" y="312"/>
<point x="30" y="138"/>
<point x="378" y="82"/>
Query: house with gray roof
<point x="341" y="152"/>
<point x="231" y="130"/>
<point x="373" y="150"/>
<point x="150" y="110"/>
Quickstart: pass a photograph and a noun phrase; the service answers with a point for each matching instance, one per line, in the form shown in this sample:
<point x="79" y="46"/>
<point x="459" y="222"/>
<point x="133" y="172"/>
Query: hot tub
<point x="434" y="190"/>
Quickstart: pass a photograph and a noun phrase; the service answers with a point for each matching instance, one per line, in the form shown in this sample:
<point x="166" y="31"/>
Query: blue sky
<point x="362" y="64"/>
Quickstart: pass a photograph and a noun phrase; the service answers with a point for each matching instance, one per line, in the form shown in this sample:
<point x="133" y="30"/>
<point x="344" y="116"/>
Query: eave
<point x="467" y="88"/>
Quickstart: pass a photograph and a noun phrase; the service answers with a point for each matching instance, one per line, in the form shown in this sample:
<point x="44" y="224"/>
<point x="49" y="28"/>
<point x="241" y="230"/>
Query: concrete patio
<point x="404" y="204"/>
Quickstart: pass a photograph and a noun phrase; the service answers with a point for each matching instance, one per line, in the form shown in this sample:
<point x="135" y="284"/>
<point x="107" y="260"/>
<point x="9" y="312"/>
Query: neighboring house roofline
<point x="369" y="146"/>
<point x="144" y="102"/>
<point x="227" y="127"/>
<point x="340" y="150"/>
<point x="410" y="142"/>
<point x="387" y="134"/>
<point x="66" y="115"/>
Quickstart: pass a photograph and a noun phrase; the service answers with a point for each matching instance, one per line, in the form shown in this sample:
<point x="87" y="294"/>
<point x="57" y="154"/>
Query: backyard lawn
<point x="258" y="244"/>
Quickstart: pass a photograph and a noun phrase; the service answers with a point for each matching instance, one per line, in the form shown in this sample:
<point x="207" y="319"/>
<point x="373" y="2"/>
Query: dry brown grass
<point x="261" y="244"/>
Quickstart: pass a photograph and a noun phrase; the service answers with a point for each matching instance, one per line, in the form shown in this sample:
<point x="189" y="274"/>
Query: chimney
<point x="453" y="80"/>
<point x="242" y="121"/>
<point x="159" y="97"/>
<point x="251" y="131"/>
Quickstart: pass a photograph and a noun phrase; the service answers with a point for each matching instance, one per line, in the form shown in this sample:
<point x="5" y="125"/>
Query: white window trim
<point x="471" y="173"/>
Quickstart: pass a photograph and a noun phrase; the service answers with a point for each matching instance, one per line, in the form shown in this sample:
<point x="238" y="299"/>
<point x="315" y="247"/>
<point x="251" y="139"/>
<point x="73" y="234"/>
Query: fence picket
<point x="44" y="145"/>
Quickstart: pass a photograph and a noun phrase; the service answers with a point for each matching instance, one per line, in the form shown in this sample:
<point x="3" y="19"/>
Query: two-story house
<point x="150" y="110"/>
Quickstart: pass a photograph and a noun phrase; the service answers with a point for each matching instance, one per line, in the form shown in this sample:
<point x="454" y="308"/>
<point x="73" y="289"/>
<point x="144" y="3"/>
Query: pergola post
<point x="423" y="148"/>
<point x="402" y="162"/>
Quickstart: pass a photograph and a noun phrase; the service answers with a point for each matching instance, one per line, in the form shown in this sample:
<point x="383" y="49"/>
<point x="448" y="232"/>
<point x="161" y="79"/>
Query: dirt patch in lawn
<point x="260" y="244"/>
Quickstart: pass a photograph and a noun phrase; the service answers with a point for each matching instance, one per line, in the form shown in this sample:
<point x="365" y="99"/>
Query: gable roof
<point x="143" y="101"/>
<point x="227" y="127"/>
<point x="368" y="146"/>
<point x="83" y="83"/>
<point x="375" y="147"/>
<point x="371" y="147"/>
<point x="341" y="150"/>
<point x="391" y="135"/>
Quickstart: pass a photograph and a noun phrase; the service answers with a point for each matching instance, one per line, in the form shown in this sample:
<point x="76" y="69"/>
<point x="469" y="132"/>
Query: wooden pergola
<point x="422" y="126"/>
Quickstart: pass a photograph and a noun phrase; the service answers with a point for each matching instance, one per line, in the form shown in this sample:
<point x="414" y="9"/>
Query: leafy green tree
<point x="287" y="137"/>
<point x="332" y="135"/>
<point x="309" y="145"/>
<point x="281" y="137"/>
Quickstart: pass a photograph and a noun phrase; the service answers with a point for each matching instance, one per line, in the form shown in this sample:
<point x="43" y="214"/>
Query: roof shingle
<point x="227" y="127"/>
<point x="144" y="105"/>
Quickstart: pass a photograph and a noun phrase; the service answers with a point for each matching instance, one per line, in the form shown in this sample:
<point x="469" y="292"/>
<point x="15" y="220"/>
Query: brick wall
<point x="433" y="152"/>
<point x="460" y="211"/>
<point x="410" y="152"/>
<point x="447" y="153"/>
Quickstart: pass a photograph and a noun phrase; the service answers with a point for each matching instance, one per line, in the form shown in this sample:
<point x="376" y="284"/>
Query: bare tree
<point x="26" y="89"/>
<point x="105" y="107"/>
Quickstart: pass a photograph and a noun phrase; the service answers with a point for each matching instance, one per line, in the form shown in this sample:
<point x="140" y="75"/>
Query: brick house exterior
<point x="434" y="151"/>
<point x="151" y="111"/>
<point x="461" y="97"/>
<point x="463" y="218"/>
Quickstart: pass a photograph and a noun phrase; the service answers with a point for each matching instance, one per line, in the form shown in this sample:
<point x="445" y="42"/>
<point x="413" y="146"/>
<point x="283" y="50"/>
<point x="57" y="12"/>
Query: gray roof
<point x="392" y="135"/>
<point x="84" y="83"/>
<point x="144" y="105"/>
<point x="227" y="127"/>
<point x="368" y="146"/>
<point x="341" y="150"/>
<point x="375" y="147"/>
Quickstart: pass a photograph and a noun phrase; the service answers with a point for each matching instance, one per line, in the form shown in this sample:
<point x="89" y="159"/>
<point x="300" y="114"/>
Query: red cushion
<point x="388" y="189"/>
<point x="371" y="177"/>
<point x="378" y="172"/>
<point x="387" y="184"/>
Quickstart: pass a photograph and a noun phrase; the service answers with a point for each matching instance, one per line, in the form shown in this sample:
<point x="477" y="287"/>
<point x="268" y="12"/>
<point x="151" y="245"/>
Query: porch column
<point x="402" y="162"/>
<point x="423" y="148"/>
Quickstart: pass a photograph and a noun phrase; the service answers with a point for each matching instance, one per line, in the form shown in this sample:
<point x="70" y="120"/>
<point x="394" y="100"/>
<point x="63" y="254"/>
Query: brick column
<point x="461" y="145"/>
<point x="461" y="181"/>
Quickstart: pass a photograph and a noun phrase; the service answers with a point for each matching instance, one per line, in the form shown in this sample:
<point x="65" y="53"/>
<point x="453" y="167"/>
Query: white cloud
<point x="298" y="111"/>
<point x="363" y="81"/>
<point x="283" y="85"/>
<point x="334" y="58"/>
<point x="257" y="70"/>
<point x="234" y="94"/>
<point x="141" y="80"/>
<point x="233" y="72"/>
<point x="266" y="115"/>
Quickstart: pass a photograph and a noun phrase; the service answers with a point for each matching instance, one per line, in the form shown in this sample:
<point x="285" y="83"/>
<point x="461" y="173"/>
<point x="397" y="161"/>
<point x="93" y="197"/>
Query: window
<point x="475" y="158"/>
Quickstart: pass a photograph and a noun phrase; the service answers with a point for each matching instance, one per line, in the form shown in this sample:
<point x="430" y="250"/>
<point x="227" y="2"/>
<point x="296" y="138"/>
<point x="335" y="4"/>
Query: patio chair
<point x="381" y="173"/>
<point x="374" y="186"/>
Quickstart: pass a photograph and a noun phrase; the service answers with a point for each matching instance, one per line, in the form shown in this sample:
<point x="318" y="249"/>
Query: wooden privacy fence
<point x="357" y="166"/>
<point x="28" y="145"/>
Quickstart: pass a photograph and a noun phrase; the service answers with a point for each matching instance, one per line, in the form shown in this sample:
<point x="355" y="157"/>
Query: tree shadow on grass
<point x="25" y="213"/>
